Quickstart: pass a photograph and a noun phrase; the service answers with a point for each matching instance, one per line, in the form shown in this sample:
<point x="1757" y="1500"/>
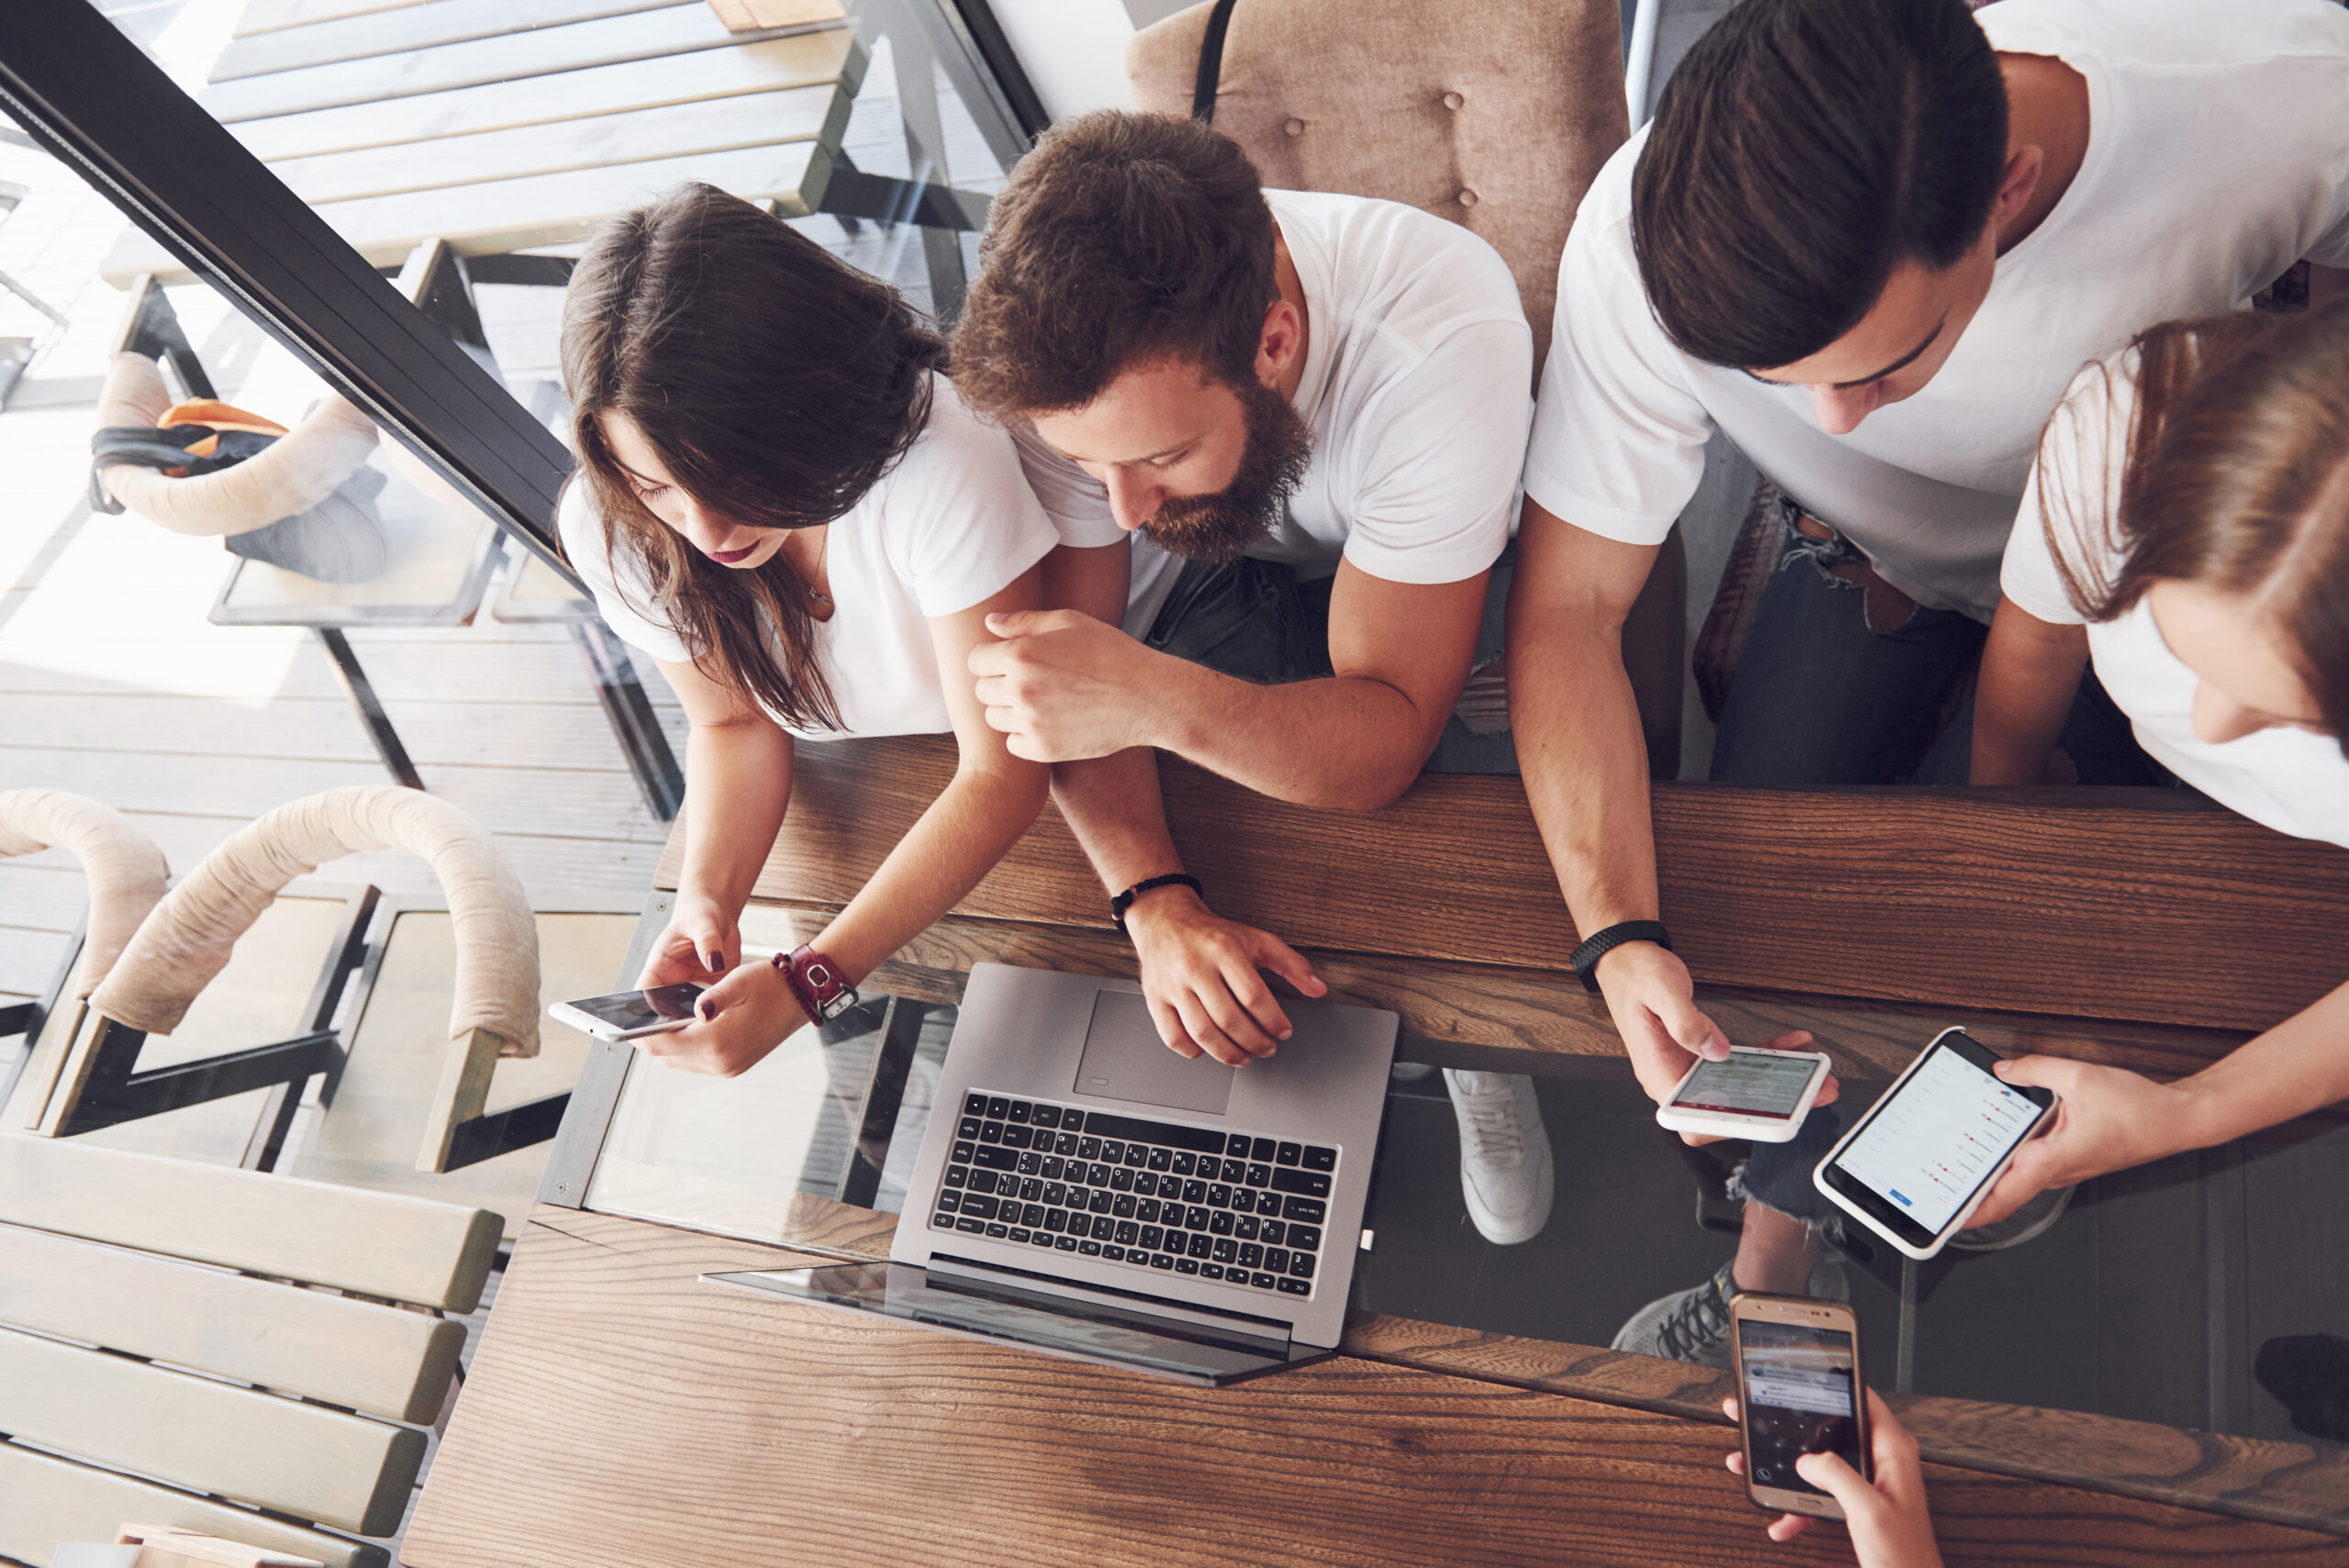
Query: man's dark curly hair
<point x="1122" y="238"/>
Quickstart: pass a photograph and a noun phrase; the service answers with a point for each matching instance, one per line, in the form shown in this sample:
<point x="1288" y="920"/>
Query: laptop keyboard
<point x="1154" y="1195"/>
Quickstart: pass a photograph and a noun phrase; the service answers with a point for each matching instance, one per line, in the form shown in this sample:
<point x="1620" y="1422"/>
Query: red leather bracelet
<point x="799" y="991"/>
<point x="816" y="982"/>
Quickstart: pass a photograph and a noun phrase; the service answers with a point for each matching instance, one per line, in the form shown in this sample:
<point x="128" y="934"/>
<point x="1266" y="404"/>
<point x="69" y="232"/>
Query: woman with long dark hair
<point x="781" y="498"/>
<point x="2187" y="530"/>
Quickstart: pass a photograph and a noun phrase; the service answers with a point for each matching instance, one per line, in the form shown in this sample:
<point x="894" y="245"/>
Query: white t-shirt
<point x="2218" y="155"/>
<point x="952" y="526"/>
<point x="2294" y="781"/>
<point x="1417" y="365"/>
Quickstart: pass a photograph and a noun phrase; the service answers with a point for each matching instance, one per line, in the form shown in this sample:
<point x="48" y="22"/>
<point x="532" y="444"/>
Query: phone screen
<point x="1747" y="1084"/>
<point x="1800" y="1396"/>
<point x="1927" y="1150"/>
<point x="631" y="1010"/>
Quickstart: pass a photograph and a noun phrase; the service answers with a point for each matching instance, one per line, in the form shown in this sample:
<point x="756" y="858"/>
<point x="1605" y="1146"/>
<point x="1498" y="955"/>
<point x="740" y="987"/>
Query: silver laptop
<point x="1084" y="1191"/>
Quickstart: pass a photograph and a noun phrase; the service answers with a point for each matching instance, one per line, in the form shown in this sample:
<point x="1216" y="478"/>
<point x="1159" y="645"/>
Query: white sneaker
<point x="1504" y="1155"/>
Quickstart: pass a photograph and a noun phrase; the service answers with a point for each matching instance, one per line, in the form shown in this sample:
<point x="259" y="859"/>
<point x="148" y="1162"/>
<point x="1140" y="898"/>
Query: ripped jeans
<point x="1778" y="1174"/>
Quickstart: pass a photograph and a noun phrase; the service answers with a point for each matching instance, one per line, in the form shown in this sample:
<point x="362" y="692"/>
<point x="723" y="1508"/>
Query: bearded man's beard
<point x="1222" y="526"/>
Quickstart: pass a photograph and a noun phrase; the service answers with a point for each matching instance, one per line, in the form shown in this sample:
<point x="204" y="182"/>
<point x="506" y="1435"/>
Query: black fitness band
<point x="1585" y="962"/>
<point x="1125" y="901"/>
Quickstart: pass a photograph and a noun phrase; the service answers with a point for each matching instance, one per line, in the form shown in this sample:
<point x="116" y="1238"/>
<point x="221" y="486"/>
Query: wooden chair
<point x="224" y="1085"/>
<point x="1498" y="124"/>
<point x="413" y="1112"/>
<point x="316" y="1314"/>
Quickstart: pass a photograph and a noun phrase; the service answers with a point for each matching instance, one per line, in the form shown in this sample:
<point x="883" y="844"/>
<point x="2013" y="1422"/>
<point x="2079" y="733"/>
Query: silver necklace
<point x="808" y="584"/>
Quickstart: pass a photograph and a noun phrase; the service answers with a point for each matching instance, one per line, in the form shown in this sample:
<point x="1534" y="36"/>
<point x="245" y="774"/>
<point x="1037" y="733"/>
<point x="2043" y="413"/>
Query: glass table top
<point x="2200" y="1291"/>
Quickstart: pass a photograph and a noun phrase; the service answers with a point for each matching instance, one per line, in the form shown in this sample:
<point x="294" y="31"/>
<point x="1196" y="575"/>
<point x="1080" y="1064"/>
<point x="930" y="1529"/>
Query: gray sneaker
<point x="2025" y="1224"/>
<point x="1693" y="1324"/>
<point x="1689" y="1325"/>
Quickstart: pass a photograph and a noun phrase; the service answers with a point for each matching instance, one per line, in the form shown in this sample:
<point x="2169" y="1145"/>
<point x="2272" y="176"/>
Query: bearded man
<point x="1312" y="410"/>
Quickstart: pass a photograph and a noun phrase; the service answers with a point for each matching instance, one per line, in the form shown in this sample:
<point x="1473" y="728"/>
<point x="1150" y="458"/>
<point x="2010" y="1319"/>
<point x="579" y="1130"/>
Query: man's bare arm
<point x="1585" y="764"/>
<point x="1063" y="687"/>
<point x="1199" y="971"/>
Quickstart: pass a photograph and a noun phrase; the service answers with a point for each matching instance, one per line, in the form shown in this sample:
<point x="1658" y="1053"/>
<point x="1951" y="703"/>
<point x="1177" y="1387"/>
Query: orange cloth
<point x="220" y="416"/>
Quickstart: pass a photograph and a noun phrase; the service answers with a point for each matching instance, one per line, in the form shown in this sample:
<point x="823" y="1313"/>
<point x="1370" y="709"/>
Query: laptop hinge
<point x="1272" y="1330"/>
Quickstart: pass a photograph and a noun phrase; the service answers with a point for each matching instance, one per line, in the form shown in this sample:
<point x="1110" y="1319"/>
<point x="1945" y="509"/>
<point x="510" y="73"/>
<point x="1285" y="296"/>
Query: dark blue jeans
<point x="1821" y="700"/>
<point x="1247" y="619"/>
<point x="1258" y="621"/>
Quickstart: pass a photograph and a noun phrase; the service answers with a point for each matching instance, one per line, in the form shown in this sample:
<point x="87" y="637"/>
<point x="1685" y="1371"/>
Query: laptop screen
<point x="1085" y="1330"/>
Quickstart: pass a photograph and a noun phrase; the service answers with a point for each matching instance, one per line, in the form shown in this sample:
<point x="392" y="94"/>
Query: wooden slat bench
<point x="501" y="126"/>
<point x="116" y="1268"/>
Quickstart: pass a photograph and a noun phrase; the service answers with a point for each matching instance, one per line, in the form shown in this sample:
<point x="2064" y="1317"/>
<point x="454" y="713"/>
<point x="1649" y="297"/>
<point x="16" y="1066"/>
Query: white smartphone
<point x="1756" y="1094"/>
<point x="1921" y="1162"/>
<point x="628" y="1015"/>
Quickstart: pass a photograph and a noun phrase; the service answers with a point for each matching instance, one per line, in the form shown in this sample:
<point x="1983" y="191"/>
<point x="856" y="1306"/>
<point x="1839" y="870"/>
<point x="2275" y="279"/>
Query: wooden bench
<point x="499" y="126"/>
<point x="310" y="1398"/>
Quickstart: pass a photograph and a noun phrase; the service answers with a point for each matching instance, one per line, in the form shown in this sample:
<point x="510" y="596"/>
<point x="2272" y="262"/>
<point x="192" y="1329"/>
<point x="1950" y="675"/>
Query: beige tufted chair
<point x="1495" y="115"/>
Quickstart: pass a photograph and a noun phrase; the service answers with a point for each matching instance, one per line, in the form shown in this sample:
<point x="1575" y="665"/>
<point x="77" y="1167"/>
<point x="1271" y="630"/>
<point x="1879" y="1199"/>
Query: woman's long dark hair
<point x="2237" y="478"/>
<point x="777" y="382"/>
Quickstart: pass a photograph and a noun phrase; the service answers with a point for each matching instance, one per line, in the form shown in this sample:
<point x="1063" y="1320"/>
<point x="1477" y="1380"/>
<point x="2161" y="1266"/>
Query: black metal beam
<point x="19" y="1019"/>
<point x="518" y="1126"/>
<point x="884" y="1092"/>
<point x="112" y="1099"/>
<point x="852" y="193"/>
<point x="89" y="96"/>
<point x="995" y="51"/>
<point x="371" y="717"/>
<point x="635" y="722"/>
<point x="514" y="267"/>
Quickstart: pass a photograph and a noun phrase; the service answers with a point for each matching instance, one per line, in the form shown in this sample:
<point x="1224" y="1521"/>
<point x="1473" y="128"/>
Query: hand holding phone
<point x="1921" y="1162"/>
<point x="700" y="944"/>
<point x="1798" y="1384"/>
<point x="1754" y="1092"/>
<point x="1884" y="1511"/>
<point x="2107" y="1118"/>
<point x="629" y="1014"/>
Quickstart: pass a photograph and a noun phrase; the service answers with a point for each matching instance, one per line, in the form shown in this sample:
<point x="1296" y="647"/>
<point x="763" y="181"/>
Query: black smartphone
<point x="1915" y="1168"/>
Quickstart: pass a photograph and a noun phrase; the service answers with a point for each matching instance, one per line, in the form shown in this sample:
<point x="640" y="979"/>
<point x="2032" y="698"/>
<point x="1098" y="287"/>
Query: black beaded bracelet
<point x="1585" y="962"/>
<point x="1125" y="901"/>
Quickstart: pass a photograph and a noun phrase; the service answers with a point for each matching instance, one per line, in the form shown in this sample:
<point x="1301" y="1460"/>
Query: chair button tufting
<point x="1452" y="100"/>
<point x="1295" y="127"/>
<point x="1467" y="198"/>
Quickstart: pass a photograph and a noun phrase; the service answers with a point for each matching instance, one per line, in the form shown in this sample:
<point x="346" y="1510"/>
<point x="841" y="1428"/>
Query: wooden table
<point x="620" y="1413"/>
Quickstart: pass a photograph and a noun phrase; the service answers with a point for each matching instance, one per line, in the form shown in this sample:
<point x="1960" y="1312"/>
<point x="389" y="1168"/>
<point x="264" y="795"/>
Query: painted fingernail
<point x="704" y="1009"/>
<point x="717" y="962"/>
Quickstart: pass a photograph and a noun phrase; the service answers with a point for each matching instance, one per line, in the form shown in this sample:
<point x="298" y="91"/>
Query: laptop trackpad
<point x="1125" y="1059"/>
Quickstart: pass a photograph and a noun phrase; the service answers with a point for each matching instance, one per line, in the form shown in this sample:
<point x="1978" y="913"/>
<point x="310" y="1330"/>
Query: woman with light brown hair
<point x="2187" y="530"/>
<point x="781" y="498"/>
